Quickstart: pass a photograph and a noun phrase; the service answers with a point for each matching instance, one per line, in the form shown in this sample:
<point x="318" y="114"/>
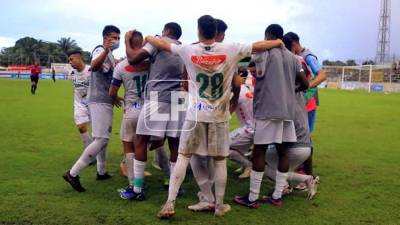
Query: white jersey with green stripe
<point x="210" y="71"/>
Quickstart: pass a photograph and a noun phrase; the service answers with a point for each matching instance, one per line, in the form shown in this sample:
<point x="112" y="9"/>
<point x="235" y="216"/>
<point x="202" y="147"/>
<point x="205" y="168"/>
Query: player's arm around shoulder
<point x="266" y="45"/>
<point x="159" y="43"/>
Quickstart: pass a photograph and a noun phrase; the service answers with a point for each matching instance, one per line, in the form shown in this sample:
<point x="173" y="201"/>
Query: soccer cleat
<point x="127" y="193"/>
<point x="312" y="187"/>
<point x="202" y="205"/>
<point x="246" y="173"/>
<point x="167" y="211"/>
<point x="244" y="201"/>
<point x="239" y="170"/>
<point x="269" y="199"/>
<point x="105" y="176"/>
<point x="74" y="182"/>
<point x="137" y="196"/>
<point x="222" y="210"/>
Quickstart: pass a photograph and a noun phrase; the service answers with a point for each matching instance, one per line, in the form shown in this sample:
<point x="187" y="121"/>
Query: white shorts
<point x="274" y="132"/>
<point x="81" y="113"/>
<point x="297" y="156"/>
<point x="128" y="125"/>
<point x="151" y="124"/>
<point x="101" y="115"/>
<point x="241" y="139"/>
<point x="205" y="139"/>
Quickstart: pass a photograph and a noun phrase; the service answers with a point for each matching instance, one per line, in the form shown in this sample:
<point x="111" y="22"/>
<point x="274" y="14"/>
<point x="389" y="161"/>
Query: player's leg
<point x="200" y="172"/>
<point x="189" y="143"/>
<point x="177" y="177"/>
<point x="83" y="131"/>
<point x="240" y="142"/>
<point x="103" y="115"/>
<point x="264" y="135"/>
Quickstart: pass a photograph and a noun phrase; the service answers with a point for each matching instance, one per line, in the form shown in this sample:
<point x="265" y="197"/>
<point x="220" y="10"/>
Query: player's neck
<point x="81" y="68"/>
<point x="207" y="41"/>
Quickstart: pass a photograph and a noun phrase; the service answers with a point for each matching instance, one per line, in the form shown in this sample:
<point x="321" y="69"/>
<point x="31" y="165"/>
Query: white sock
<point x="101" y="160"/>
<point x="177" y="176"/>
<point x="220" y="181"/>
<point x="200" y="173"/>
<point x="139" y="167"/>
<point x="78" y="167"/>
<point x="86" y="139"/>
<point x="280" y="183"/>
<point x="88" y="155"/>
<point x="255" y="184"/>
<point x="129" y="160"/>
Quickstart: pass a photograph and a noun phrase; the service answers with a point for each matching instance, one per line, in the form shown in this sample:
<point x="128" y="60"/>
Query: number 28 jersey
<point x="210" y="71"/>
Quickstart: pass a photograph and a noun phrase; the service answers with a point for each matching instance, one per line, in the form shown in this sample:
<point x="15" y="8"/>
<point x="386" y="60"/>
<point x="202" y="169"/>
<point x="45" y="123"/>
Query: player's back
<point x="274" y="89"/>
<point x="134" y="80"/>
<point x="211" y="69"/>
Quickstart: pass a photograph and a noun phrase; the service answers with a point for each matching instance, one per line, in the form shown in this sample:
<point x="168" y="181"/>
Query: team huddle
<point x="185" y="94"/>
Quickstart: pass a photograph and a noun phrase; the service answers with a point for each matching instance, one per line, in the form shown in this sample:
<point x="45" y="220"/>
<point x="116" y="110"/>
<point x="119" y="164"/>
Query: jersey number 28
<point x="216" y="81"/>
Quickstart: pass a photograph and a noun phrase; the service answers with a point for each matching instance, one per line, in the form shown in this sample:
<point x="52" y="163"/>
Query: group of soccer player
<point x="274" y="98"/>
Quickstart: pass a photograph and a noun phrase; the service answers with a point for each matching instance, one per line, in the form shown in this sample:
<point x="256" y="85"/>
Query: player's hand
<point x="281" y="44"/>
<point x="128" y="35"/>
<point x="108" y="45"/>
<point x="118" y="102"/>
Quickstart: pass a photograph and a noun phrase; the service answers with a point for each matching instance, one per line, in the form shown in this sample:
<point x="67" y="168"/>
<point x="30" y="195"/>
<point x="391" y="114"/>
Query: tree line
<point x="28" y="51"/>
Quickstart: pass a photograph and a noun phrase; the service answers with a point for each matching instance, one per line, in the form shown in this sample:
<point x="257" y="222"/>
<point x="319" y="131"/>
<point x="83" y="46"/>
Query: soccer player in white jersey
<point x="211" y="67"/>
<point x="80" y="75"/>
<point x="203" y="166"/>
<point x="133" y="78"/>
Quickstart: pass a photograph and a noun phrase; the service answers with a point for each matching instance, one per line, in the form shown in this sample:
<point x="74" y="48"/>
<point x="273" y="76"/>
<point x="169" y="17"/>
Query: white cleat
<point x="222" y="210"/>
<point x="202" y="207"/>
<point x="312" y="188"/>
<point x="167" y="211"/>
<point x="246" y="173"/>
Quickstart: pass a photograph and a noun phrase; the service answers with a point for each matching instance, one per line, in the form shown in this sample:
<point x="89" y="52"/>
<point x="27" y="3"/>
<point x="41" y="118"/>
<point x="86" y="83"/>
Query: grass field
<point x="357" y="156"/>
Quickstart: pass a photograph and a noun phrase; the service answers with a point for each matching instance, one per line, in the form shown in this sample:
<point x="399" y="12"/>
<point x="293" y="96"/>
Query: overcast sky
<point x="333" y="29"/>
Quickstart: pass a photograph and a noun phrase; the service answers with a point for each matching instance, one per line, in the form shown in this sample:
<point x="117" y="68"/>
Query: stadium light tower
<point x="383" y="46"/>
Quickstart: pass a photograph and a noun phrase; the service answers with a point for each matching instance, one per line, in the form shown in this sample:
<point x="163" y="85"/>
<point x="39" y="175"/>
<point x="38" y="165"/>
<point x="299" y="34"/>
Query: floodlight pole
<point x="342" y="85"/>
<point x="370" y="79"/>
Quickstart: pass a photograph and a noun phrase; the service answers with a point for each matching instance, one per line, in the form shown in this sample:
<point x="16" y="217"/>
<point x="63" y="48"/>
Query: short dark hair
<point x="221" y="26"/>
<point x="73" y="52"/>
<point x="175" y="29"/>
<point x="135" y="35"/>
<point x="207" y="26"/>
<point x="274" y="31"/>
<point x="110" y="29"/>
<point x="289" y="38"/>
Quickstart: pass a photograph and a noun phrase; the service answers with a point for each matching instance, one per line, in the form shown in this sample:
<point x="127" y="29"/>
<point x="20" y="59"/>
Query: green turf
<point x="357" y="155"/>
